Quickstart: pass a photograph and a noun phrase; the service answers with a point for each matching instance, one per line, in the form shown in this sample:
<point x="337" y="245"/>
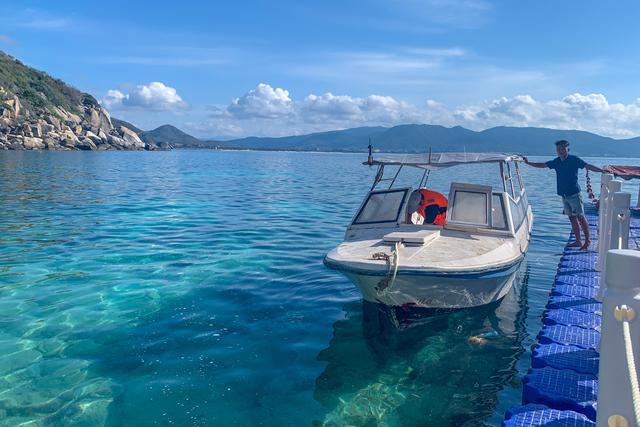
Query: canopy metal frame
<point x="432" y="162"/>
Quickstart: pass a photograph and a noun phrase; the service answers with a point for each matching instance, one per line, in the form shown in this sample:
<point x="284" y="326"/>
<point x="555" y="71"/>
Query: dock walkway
<point x="561" y="387"/>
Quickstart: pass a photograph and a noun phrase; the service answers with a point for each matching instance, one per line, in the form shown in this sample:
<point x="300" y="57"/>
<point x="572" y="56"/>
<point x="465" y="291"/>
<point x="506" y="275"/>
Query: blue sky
<point x="226" y="69"/>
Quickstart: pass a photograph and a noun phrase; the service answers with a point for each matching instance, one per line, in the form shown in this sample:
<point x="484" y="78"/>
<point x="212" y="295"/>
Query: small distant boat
<point x="416" y="247"/>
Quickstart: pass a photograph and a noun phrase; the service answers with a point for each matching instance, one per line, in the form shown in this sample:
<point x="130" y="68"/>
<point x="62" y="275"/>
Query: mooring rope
<point x="631" y="367"/>
<point x="389" y="279"/>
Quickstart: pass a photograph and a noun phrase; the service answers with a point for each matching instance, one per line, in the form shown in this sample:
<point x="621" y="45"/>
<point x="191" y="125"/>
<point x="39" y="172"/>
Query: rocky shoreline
<point x="58" y="129"/>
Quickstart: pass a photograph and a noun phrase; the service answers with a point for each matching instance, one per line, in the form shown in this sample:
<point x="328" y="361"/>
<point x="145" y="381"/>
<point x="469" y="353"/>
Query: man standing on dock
<point x="566" y="166"/>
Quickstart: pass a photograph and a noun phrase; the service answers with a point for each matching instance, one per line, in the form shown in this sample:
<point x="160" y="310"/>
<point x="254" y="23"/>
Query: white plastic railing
<point x="618" y="390"/>
<point x="614" y="225"/>
<point x="602" y="215"/>
<point x="609" y="223"/>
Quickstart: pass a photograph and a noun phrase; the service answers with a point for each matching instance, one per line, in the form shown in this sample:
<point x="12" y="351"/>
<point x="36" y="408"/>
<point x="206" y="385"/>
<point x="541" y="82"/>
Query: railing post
<point x="622" y="278"/>
<point x="617" y="236"/>
<point x="603" y="243"/>
<point x="620" y="213"/>
<point x="604" y="193"/>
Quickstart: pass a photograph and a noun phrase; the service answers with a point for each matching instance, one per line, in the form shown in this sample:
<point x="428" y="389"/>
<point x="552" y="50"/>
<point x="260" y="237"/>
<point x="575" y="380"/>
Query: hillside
<point x="38" y="111"/>
<point x="171" y="136"/>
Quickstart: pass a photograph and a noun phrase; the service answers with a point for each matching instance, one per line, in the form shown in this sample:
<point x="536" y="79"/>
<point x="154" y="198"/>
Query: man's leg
<point x="587" y="234"/>
<point x="575" y="226"/>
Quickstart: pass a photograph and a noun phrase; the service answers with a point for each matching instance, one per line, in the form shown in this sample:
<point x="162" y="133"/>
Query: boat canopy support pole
<point x="504" y="183"/>
<point x="519" y="176"/>
<point x="395" y="176"/>
<point x="425" y="178"/>
<point x="513" y="190"/>
<point x="378" y="177"/>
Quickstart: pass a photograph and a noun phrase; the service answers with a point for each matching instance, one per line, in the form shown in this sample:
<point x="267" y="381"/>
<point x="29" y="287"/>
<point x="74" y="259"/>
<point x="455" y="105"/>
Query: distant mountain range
<point x="409" y="139"/>
<point x="415" y="138"/>
<point x="166" y="136"/>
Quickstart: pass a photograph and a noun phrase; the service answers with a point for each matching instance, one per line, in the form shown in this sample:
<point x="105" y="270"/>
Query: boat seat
<point x="421" y="237"/>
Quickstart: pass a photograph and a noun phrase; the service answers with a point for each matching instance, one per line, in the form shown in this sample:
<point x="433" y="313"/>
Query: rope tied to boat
<point x="625" y="314"/>
<point x="590" y="193"/>
<point x="389" y="278"/>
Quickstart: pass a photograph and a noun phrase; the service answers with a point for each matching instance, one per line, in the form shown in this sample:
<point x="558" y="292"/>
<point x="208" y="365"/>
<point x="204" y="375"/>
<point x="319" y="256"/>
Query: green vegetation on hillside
<point x="37" y="90"/>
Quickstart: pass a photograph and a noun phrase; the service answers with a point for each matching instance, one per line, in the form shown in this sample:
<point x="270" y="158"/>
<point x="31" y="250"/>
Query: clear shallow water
<point x="187" y="288"/>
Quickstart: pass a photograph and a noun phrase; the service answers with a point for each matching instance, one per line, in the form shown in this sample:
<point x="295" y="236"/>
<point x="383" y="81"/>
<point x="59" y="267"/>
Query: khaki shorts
<point x="573" y="205"/>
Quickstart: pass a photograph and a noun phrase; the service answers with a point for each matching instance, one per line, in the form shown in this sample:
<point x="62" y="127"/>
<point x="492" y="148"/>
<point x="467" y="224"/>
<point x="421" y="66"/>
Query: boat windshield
<point x="470" y="207"/>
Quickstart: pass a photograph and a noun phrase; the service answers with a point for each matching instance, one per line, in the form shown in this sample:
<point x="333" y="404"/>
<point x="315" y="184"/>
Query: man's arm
<point x="534" y="164"/>
<point x="593" y="168"/>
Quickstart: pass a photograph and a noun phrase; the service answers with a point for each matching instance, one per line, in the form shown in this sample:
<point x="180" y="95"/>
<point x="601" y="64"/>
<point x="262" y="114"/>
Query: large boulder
<point x="53" y="121"/>
<point x="69" y="139"/>
<point x="47" y="128"/>
<point x="15" y="142"/>
<point x="86" y="144"/>
<point x="30" y="143"/>
<point x="98" y="119"/>
<point x="36" y="130"/>
<point x="26" y="130"/>
<point x="93" y="137"/>
<point x="10" y="108"/>
<point x="131" y="139"/>
<point x="15" y="104"/>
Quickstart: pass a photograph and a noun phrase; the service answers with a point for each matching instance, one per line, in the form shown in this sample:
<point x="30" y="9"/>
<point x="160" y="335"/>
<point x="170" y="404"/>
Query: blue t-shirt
<point x="567" y="173"/>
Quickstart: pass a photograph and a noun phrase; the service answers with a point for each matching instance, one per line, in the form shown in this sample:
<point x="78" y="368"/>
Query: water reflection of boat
<point x="393" y="366"/>
<point x="414" y="247"/>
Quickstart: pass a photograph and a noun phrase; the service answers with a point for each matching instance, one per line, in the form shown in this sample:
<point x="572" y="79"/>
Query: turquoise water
<point x="187" y="288"/>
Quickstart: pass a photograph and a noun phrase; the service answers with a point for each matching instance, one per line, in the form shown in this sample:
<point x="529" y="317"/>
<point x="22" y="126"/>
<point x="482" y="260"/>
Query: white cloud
<point x="113" y="99"/>
<point x="155" y="96"/>
<point x="268" y="111"/>
<point x="262" y="102"/>
<point x="591" y="112"/>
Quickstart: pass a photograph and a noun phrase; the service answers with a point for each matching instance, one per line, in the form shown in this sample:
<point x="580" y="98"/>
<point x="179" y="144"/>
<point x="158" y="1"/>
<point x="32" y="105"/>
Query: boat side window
<point x="517" y="212"/>
<point x="382" y="206"/>
<point x="498" y="213"/>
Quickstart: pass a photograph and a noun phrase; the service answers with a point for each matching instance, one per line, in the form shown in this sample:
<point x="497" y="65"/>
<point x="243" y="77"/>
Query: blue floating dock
<point x="561" y="387"/>
<point x="540" y="415"/>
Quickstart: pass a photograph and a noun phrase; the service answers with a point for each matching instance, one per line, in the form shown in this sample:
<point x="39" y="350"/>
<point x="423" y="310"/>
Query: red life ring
<point x="433" y="207"/>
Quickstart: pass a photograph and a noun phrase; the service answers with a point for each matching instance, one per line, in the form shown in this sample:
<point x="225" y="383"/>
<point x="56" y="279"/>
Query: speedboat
<point x="416" y="247"/>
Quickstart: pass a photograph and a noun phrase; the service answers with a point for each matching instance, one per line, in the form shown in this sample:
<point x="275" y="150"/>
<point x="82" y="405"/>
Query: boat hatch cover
<point x="416" y="237"/>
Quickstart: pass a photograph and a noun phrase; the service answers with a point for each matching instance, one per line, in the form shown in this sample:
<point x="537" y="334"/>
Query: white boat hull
<point x="436" y="291"/>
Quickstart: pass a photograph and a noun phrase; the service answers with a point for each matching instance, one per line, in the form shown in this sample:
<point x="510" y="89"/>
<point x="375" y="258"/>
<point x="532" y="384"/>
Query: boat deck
<point x="562" y="384"/>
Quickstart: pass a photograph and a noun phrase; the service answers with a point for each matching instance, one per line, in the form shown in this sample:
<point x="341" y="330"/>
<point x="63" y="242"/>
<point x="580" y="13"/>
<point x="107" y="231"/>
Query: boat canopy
<point x="623" y="171"/>
<point x="443" y="160"/>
